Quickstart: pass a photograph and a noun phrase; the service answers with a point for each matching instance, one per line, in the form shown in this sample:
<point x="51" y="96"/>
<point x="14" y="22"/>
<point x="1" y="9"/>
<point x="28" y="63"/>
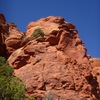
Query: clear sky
<point x="84" y="14"/>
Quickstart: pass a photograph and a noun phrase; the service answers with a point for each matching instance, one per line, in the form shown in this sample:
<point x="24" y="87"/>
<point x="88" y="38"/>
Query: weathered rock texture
<point x="14" y="40"/>
<point x="3" y="30"/>
<point x="10" y="37"/>
<point x="95" y="62"/>
<point x="56" y="67"/>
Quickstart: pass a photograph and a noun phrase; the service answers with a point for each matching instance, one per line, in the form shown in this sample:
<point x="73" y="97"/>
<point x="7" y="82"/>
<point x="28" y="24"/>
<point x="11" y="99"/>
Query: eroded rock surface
<point x="14" y="40"/>
<point x="95" y="62"/>
<point x="57" y="67"/>
<point x="3" y="32"/>
<point x="10" y="37"/>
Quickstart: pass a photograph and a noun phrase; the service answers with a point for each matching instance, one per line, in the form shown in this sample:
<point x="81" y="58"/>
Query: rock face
<point x="3" y="30"/>
<point x="96" y="68"/>
<point x="14" y="40"/>
<point x="10" y="37"/>
<point x="56" y="67"/>
<point x="48" y="25"/>
<point x="53" y="62"/>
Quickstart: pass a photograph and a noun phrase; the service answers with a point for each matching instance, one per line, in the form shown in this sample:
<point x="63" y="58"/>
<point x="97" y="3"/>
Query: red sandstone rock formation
<point x="3" y="32"/>
<point x="95" y="62"/>
<point x="57" y="67"/>
<point x="10" y="37"/>
<point x="14" y="40"/>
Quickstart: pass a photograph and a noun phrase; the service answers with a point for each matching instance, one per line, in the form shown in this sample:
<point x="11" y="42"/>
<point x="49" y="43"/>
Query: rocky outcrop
<point x="14" y="40"/>
<point x="2" y="18"/>
<point x="10" y="37"/>
<point x="95" y="62"/>
<point x="3" y="32"/>
<point x="48" y="25"/>
<point x="57" y="66"/>
<point x="54" y="65"/>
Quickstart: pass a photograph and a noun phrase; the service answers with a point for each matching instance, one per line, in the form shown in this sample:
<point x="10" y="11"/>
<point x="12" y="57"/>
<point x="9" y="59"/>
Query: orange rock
<point x="14" y="40"/>
<point x="57" y="67"/>
<point x="4" y="27"/>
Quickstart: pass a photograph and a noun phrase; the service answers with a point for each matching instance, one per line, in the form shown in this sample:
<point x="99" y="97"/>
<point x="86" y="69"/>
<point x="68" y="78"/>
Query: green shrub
<point x="11" y="87"/>
<point x="37" y="33"/>
<point x="31" y="98"/>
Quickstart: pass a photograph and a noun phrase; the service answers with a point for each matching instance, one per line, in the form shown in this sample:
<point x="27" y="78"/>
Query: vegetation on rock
<point x="11" y="87"/>
<point x="31" y="98"/>
<point x="37" y="33"/>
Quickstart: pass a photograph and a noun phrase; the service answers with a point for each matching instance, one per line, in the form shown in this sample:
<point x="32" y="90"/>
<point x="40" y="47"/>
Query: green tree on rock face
<point x="11" y="87"/>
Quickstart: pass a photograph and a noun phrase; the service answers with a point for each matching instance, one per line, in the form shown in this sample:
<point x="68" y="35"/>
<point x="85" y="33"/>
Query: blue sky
<point x="84" y="14"/>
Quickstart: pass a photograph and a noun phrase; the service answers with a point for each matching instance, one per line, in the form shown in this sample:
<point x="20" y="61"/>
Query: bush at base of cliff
<point x="11" y="87"/>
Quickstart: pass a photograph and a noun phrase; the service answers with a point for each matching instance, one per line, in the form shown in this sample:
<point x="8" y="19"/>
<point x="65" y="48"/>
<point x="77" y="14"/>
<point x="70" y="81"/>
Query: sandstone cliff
<point x="54" y="65"/>
<point x="10" y="37"/>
